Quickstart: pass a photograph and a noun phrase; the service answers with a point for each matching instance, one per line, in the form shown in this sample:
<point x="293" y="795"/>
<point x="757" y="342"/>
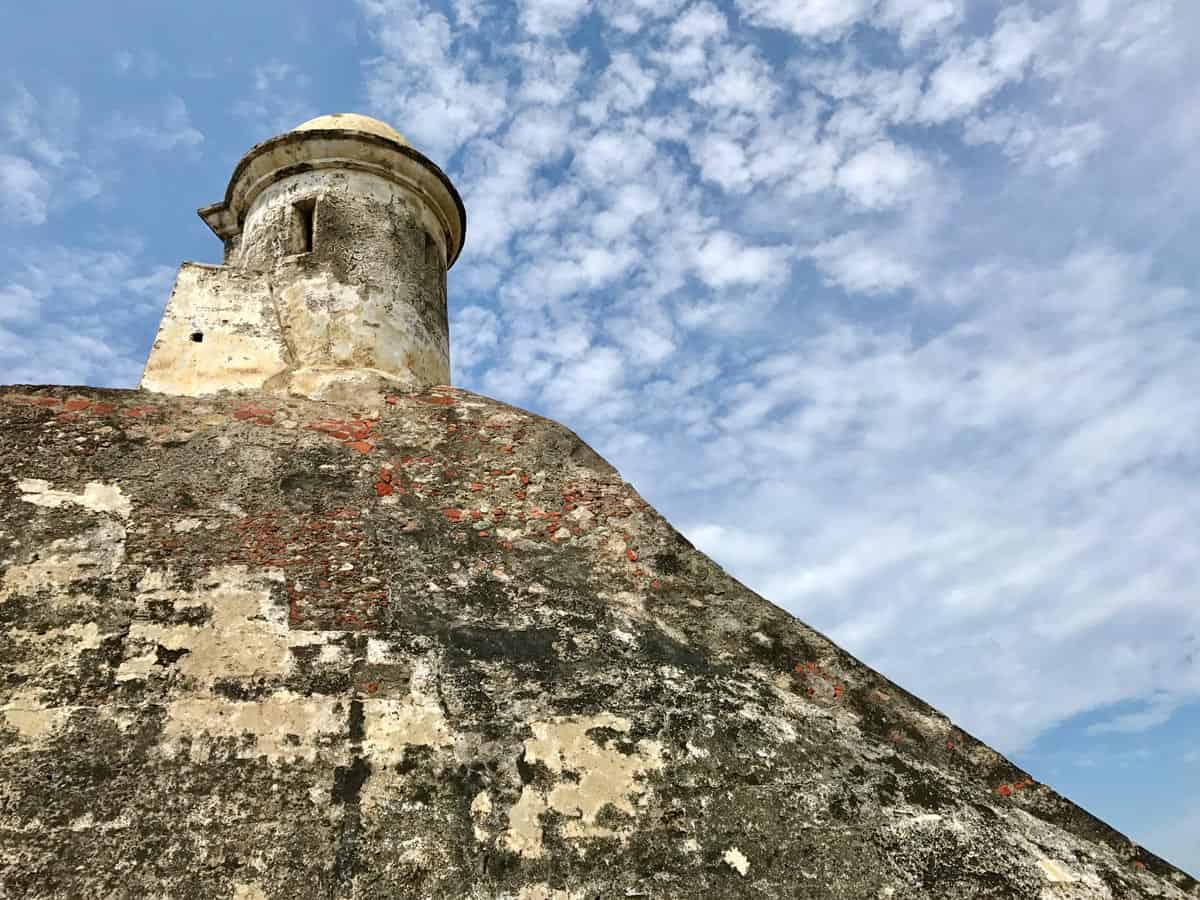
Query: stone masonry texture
<point x="432" y="646"/>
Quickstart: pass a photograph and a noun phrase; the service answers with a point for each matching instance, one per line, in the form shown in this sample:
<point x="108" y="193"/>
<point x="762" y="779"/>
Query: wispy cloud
<point x="278" y="99"/>
<point x="169" y="129"/>
<point x="67" y="314"/>
<point x="1156" y="711"/>
<point x="40" y="166"/>
<point x="24" y="191"/>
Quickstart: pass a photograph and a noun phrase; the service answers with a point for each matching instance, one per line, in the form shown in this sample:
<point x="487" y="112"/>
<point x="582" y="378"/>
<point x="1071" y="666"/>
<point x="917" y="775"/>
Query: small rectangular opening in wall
<point x="304" y="220"/>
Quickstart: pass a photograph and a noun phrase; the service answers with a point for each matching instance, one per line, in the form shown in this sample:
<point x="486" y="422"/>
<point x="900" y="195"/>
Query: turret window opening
<point x="304" y="220"/>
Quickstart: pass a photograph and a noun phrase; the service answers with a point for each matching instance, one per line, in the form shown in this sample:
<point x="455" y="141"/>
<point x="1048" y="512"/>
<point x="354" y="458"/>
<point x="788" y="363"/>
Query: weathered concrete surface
<point x="432" y="646"/>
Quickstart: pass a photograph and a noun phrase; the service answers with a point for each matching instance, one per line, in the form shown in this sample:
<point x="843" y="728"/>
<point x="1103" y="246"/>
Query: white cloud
<point x="591" y="381"/>
<point x="476" y="331"/>
<point x="43" y="127"/>
<point x="472" y="13"/>
<point x="630" y="204"/>
<point x="417" y="83"/>
<point x="1157" y="711"/>
<point x="68" y="315"/>
<point x="631" y="15"/>
<point x="277" y="101"/>
<point x="740" y="82"/>
<point x="625" y="86"/>
<point x="976" y="71"/>
<point x="40" y="166"/>
<point x="689" y="41"/>
<point x="862" y="266"/>
<point x="882" y="175"/>
<point x="823" y="19"/>
<point x="24" y="191"/>
<point x="737" y="547"/>
<point x="918" y="20"/>
<point x="551" y="18"/>
<point x="612" y="158"/>
<point x="722" y="260"/>
<point x="1036" y="143"/>
<point x="18" y="303"/>
<point x="171" y="130"/>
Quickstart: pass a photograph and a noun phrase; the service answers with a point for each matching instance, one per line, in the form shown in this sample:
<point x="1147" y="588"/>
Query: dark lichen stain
<point x="527" y="645"/>
<point x="166" y="657"/>
<point x="348" y="782"/>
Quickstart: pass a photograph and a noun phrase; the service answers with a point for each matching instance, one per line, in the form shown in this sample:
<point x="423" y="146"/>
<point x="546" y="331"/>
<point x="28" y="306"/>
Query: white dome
<point x="354" y="122"/>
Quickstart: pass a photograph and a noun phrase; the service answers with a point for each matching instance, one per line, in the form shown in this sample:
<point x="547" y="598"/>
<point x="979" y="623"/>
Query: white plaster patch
<point x="96" y="496"/>
<point x="673" y="633"/>
<point x="245" y="636"/>
<point x="632" y="603"/>
<point x="697" y="752"/>
<point x="415" y="721"/>
<point x="482" y="804"/>
<point x="524" y="836"/>
<point x="481" y="808"/>
<point x="379" y="652"/>
<point x="1056" y="872"/>
<point x="330" y="655"/>
<point x="544" y="892"/>
<point x="737" y="861"/>
<point x="41" y="660"/>
<point x="31" y="720"/>
<point x="921" y="822"/>
<point x="248" y="892"/>
<point x="581" y="516"/>
<point x="603" y="776"/>
<point x="94" y="554"/>
<point x="283" y="727"/>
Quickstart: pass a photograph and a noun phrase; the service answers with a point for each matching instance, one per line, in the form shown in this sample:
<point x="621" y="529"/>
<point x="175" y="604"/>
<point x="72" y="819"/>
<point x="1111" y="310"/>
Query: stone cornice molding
<point x="330" y="148"/>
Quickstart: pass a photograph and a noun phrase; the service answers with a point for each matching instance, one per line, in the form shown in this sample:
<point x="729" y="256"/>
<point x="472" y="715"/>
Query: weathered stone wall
<point x="220" y="331"/>
<point x="265" y="647"/>
<point x="370" y="295"/>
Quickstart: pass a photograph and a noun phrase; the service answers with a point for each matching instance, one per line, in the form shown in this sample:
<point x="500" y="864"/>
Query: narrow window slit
<point x="305" y="224"/>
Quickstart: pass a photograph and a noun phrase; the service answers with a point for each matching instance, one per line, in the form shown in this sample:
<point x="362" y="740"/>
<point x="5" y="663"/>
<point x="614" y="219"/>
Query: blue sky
<point x="890" y="305"/>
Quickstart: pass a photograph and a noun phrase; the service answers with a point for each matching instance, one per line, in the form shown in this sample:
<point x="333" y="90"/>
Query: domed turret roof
<point x="354" y="122"/>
